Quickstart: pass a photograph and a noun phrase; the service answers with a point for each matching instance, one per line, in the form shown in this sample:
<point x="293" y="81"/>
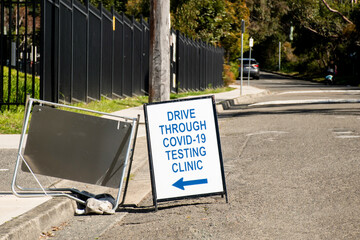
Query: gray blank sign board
<point x="76" y="146"/>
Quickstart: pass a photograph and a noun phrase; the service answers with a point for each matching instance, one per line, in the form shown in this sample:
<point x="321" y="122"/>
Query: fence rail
<point x="87" y="53"/>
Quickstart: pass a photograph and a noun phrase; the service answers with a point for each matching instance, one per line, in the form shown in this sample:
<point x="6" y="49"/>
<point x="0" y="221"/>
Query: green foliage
<point x="268" y="24"/>
<point x="235" y="68"/>
<point x="214" y="21"/>
<point x="319" y="34"/>
<point x="201" y="19"/>
<point x="231" y="41"/>
<point x="138" y="8"/>
<point x="119" y="5"/>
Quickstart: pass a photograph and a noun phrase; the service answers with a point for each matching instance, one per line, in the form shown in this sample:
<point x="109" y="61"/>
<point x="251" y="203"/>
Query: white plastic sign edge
<point x="184" y="148"/>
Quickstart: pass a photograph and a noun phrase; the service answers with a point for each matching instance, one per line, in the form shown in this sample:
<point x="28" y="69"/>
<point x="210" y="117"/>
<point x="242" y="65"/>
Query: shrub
<point x="228" y="75"/>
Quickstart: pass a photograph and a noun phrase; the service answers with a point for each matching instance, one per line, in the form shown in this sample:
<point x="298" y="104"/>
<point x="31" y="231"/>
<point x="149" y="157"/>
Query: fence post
<point x="72" y="54"/>
<point x="101" y="47"/>
<point x="34" y="57"/>
<point x="10" y="55"/>
<point x="87" y="49"/>
<point x="112" y="50"/>
<point x="59" y="56"/>
<point x="123" y="51"/>
<point x="2" y="54"/>
<point x="141" y="50"/>
<point x="17" y="51"/>
<point x="177" y="57"/>
<point x="42" y="44"/>
<point x="133" y="89"/>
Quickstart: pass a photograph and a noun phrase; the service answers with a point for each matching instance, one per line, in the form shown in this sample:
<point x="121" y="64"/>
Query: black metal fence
<point x="91" y="53"/>
<point x="19" y="51"/>
<point x="198" y="65"/>
<point x="87" y="53"/>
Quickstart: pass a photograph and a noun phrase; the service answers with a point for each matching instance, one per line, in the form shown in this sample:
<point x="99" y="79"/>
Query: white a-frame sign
<point x="184" y="149"/>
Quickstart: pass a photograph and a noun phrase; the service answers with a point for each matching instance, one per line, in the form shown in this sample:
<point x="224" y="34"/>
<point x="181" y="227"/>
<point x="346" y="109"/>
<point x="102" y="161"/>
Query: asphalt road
<point x="277" y="83"/>
<point x="7" y="165"/>
<point x="292" y="171"/>
<point x="283" y="88"/>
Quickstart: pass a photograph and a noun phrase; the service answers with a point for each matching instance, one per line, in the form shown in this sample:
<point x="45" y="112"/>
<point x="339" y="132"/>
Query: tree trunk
<point x="337" y="12"/>
<point x="159" y="72"/>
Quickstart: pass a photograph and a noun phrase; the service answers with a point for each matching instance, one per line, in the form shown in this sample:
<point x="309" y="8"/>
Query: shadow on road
<point x="325" y="109"/>
<point x="147" y="209"/>
<point x="275" y="81"/>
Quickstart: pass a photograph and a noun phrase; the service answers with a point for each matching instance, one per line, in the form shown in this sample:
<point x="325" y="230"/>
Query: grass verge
<point x="18" y="88"/>
<point x="11" y="120"/>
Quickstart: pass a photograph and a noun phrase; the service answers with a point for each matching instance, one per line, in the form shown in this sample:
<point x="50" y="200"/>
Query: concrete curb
<point x="227" y="104"/>
<point x="32" y="223"/>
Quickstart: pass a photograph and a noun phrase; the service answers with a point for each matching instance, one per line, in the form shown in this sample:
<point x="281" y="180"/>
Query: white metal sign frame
<point x="74" y="193"/>
<point x="184" y="148"/>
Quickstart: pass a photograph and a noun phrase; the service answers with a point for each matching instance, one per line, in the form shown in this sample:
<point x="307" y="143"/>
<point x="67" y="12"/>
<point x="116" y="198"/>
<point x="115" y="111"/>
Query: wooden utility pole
<point x="159" y="72"/>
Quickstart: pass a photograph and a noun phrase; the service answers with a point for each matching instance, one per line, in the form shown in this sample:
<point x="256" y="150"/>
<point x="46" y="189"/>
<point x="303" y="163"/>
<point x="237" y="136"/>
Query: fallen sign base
<point x="74" y="146"/>
<point x="184" y="149"/>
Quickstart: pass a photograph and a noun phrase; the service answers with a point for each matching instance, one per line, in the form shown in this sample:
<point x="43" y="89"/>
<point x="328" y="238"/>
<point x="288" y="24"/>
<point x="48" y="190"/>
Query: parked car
<point x="253" y="68"/>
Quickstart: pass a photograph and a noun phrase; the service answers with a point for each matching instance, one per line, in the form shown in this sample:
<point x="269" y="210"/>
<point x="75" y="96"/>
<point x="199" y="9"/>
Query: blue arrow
<point x="181" y="183"/>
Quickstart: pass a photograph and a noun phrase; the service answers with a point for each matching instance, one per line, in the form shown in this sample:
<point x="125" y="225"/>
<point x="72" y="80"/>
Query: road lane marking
<point x="321" y="91"/>
<point x="348" y="136"/>
<point x="308" y="101"/>
<point x="265" y="132"/>
<point x="345" y="132"/>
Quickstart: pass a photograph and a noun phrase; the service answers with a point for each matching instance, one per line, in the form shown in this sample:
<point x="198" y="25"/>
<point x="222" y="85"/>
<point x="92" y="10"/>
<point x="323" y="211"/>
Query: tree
<point x="118" y="5"/>
<point x="138" y="8"/>
<point x="337" y="12"/>
<point x="231" y="39"/>
<point x="324" y="29"/>
<point x="331" y="31"/>
<point x="159" y="69"/>
<point x="214" y="21"/>
<point x="269" y="24"/>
